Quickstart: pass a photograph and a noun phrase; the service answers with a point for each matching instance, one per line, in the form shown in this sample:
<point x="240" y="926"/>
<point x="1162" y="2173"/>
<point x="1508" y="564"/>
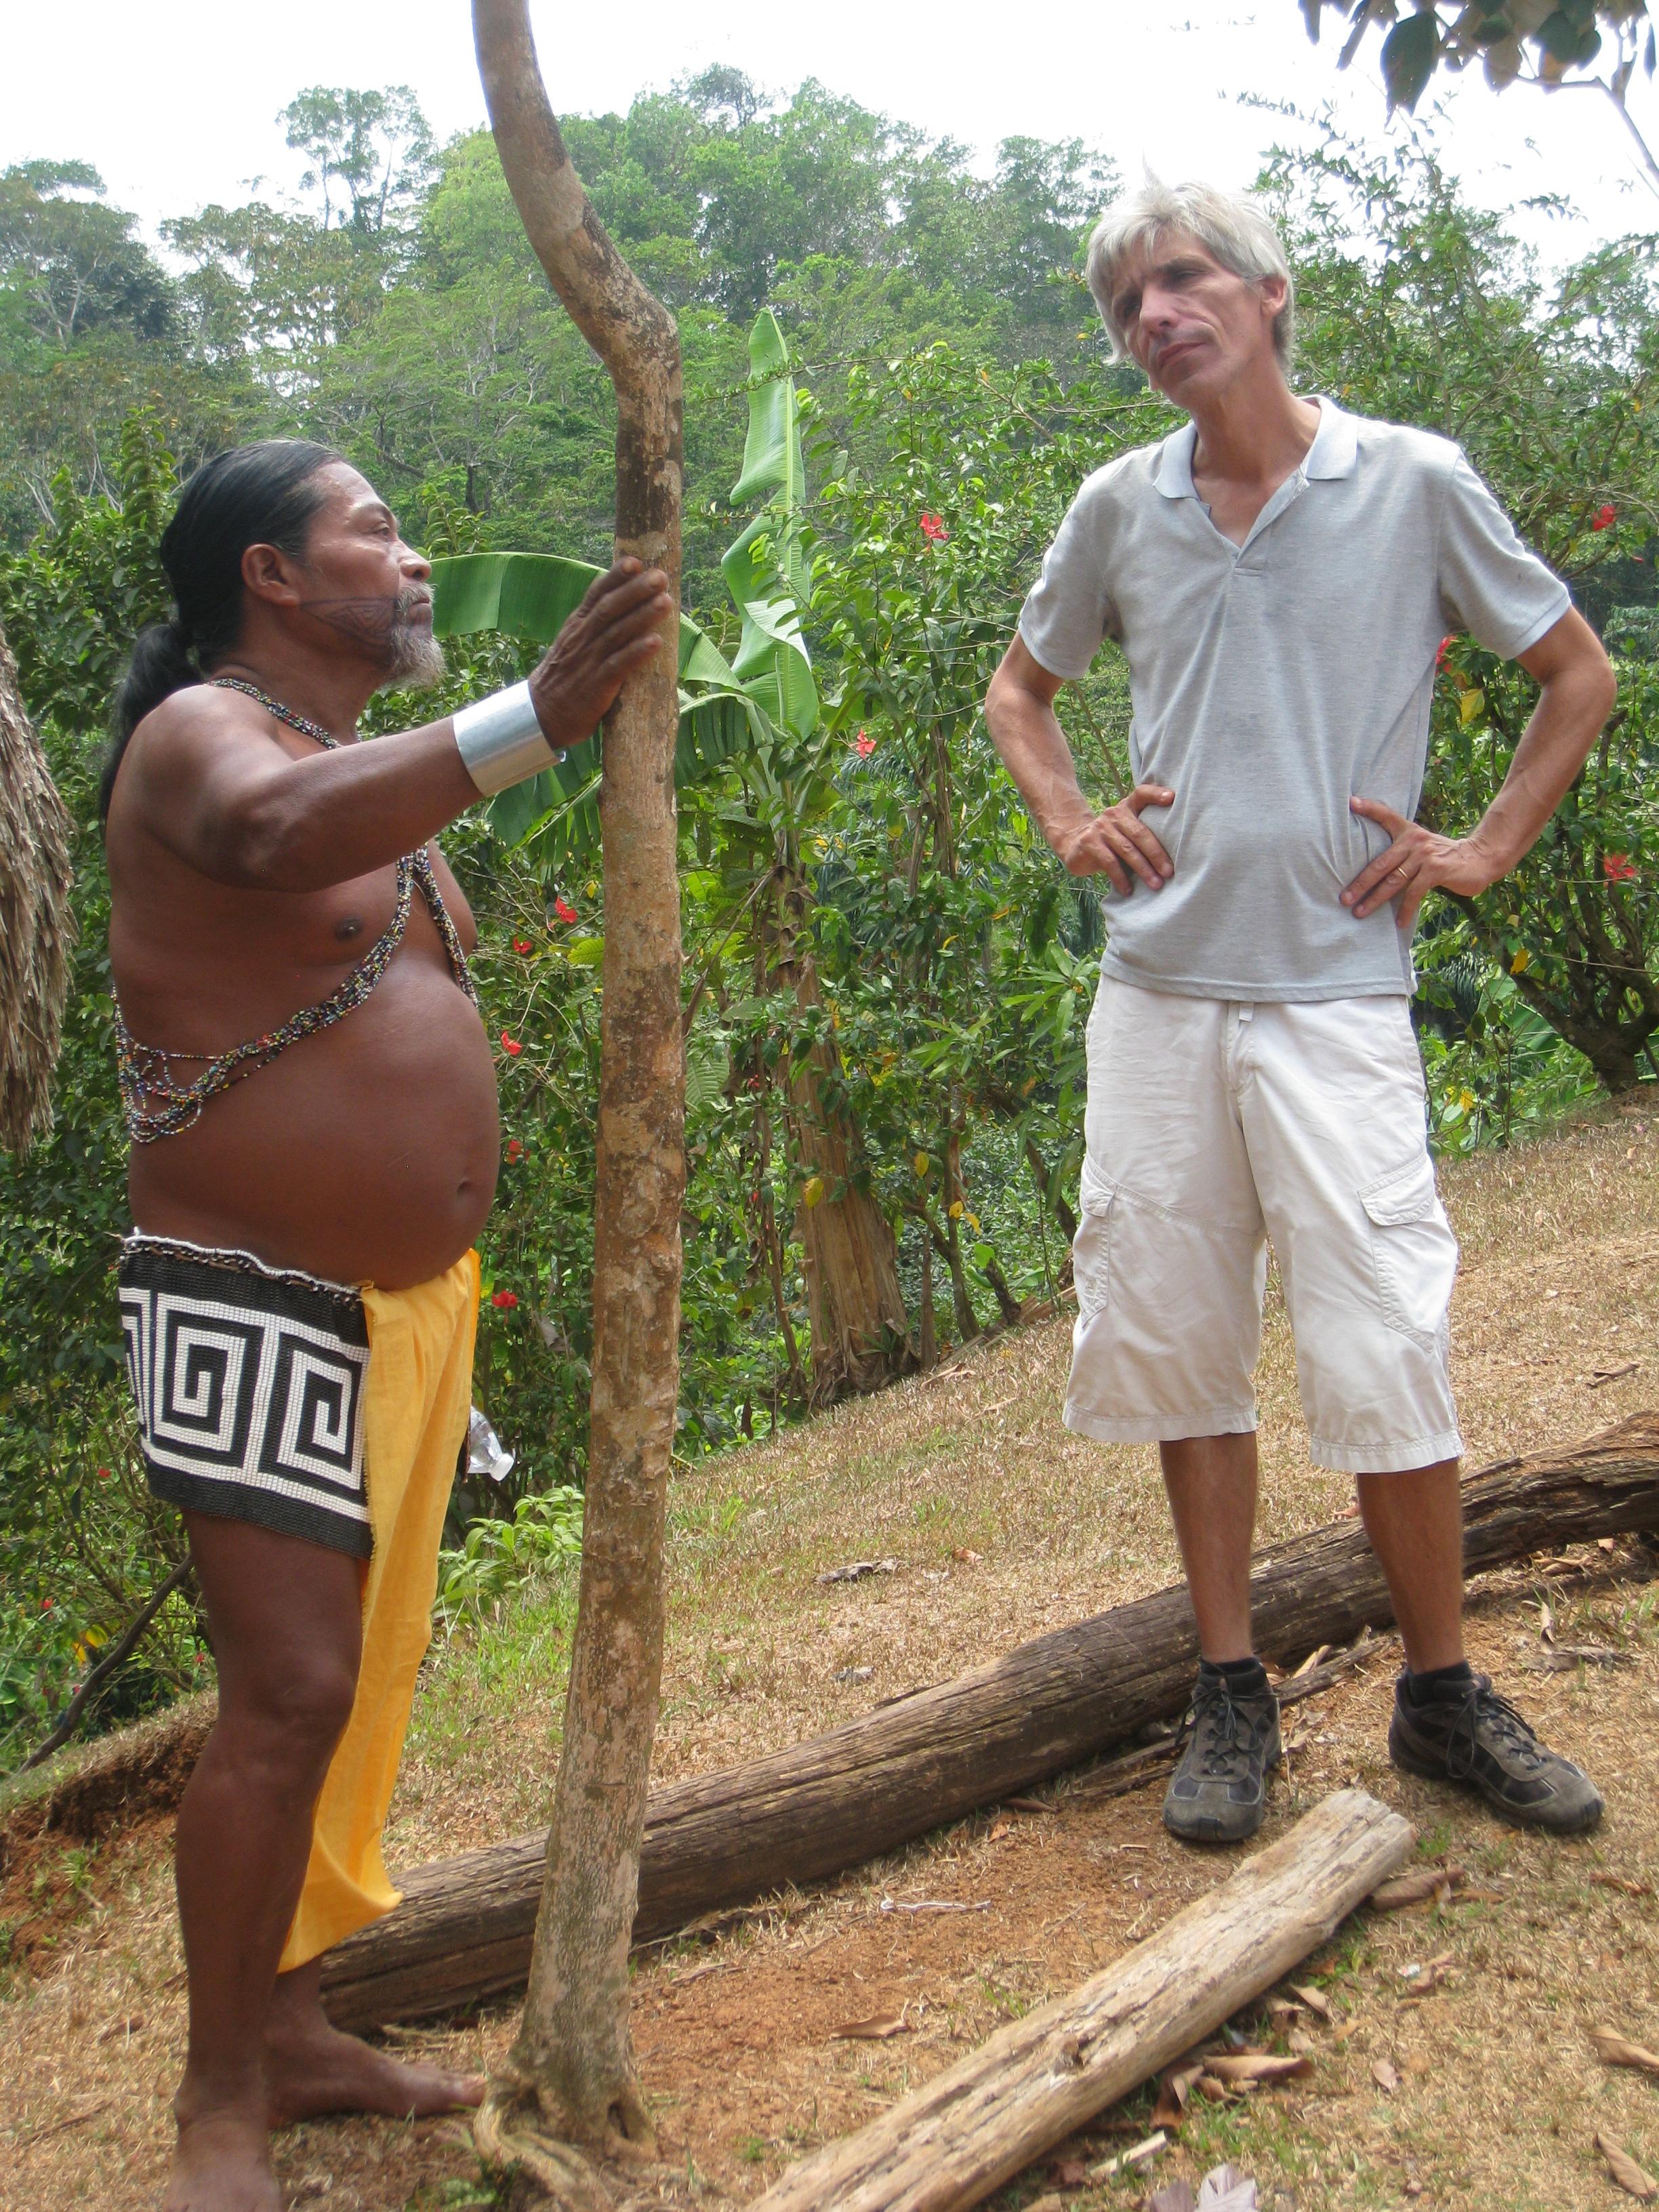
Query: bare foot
<point x="312" y="2068"/>
<point x="222" y="2165"/>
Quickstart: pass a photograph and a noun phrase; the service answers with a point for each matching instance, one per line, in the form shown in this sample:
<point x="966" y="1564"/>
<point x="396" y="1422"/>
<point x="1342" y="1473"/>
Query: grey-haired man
<point x="1279" y="573"/>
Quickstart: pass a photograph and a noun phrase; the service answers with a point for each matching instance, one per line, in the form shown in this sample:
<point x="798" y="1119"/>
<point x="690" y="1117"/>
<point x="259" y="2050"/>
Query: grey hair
<point x="1229" y="225"/>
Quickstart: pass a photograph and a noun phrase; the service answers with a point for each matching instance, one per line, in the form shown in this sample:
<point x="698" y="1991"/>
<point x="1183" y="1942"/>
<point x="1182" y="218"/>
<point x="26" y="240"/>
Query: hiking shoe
<point x="1473" y="1736"/>
<point x="1217" y="1793"/>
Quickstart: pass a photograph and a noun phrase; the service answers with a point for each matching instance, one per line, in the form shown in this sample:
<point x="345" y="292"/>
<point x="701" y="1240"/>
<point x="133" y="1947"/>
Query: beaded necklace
<point x="157" y="1104"/>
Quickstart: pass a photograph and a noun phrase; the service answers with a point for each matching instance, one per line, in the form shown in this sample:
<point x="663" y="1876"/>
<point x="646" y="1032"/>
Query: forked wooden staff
<point x="567" y="2092"/>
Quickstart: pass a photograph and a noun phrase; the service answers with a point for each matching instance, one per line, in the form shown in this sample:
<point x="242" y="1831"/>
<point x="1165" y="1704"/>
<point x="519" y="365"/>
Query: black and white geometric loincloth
<point x="249" y="1385"/>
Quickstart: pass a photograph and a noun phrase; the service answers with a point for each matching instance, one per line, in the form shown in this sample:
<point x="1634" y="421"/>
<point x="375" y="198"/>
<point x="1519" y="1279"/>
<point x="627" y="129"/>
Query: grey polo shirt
<point x="1274" y="681"/>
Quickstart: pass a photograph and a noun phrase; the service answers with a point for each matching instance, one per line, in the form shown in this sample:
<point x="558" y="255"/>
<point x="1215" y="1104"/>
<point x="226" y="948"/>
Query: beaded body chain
<point x="157" y="1104"/>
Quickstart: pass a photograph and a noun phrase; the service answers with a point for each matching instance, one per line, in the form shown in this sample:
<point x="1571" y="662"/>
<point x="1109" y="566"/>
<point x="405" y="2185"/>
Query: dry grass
<point x="1500" y="2091"/>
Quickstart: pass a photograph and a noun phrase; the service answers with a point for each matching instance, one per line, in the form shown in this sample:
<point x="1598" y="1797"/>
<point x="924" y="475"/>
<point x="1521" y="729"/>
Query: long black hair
<point x="265" y="493"/>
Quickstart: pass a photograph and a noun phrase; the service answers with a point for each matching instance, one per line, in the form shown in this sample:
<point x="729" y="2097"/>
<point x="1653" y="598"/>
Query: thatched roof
<point x="36" y="925"/>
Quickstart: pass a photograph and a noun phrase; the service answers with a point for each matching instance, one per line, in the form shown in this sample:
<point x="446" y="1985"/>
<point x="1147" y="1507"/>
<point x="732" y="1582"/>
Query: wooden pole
<point x="569" y="2078"/>
<point x="983" y="2120"/>
<point x="463" y="1930"/>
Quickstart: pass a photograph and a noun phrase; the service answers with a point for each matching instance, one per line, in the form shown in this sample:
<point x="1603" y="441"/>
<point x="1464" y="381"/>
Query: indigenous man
<point x="312" y="1102"/>
<point x="1279" y="574"/>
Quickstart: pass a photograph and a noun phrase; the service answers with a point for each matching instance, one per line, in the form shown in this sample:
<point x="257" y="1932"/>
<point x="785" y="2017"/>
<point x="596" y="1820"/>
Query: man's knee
<point x="292" y="1723"/>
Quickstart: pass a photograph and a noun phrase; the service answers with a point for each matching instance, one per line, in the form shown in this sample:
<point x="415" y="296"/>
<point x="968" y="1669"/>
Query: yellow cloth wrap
<point x="418" y="1398"/>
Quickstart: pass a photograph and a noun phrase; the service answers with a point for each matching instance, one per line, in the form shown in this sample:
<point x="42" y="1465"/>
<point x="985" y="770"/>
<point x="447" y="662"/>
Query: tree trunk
<point x="929" y="1327"/>
<point x="871" y="1784"/>
<point x="37" y="926"/>
<point x="860" y="1330"/>
<point x="1048" y="1191"/>
<point x="570" y="2074"/>
<point x="981" y="2121"/>
<point x="967" y="1320"/>
<point x="772" y="1243"/>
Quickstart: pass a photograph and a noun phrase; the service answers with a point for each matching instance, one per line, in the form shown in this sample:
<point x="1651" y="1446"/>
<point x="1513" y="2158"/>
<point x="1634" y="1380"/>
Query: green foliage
<point x="1496" y="1070"/>
<point x="1539" y="41"/>
<point x="763" y="570"/>
<point x="91" y="327"/>
<point x="90" y="581"/>
<point x="81" y="1541"/>
<point x="73" y="266"/>
<point x="494" y="1558"/>
<point x="530" y="597"/>
<point x="371" y="153"/>
<point x="1569" y="931"/>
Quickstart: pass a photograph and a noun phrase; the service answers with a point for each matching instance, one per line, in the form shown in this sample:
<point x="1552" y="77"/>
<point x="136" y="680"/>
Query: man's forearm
<point x="1027" y="735"/>
<point x="1572" y="706"/>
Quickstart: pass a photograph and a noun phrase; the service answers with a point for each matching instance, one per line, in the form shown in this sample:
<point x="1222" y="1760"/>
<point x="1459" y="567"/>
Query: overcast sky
<point x="175" y="103"/>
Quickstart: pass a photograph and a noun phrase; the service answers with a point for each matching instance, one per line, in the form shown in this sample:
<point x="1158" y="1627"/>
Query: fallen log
<point x="463" y="1929"/>
<point x="952" y="2144"/>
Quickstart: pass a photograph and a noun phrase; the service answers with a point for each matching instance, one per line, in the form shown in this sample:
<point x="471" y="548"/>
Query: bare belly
<point x="365" y="1154"/>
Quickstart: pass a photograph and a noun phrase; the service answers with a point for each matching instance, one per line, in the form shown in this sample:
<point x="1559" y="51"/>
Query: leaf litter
<point x="1617" y="2051"/>
<point x="1429" y="1884"/>
<point x="876" y="2029"/>
<point x="1224" y="2189"/>
<point x="1634" y="2179"/>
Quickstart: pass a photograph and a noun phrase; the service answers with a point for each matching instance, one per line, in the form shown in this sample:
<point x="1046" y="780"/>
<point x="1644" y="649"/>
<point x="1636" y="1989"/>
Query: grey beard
<point x="416" y="659"/>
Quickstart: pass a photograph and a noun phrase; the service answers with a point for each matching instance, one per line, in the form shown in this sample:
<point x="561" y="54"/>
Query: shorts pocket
<point x="1091" y="1248"/>
<point x="1414" y="1251"/>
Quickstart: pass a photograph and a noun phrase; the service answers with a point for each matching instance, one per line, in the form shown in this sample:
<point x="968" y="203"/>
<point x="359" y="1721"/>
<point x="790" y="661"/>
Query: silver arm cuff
<point x="501" y="741"/>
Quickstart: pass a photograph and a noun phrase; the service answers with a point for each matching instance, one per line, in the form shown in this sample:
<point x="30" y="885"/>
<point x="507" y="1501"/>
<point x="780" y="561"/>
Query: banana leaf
<point x="773" y="662"/>
<point x="726" y="708"/>
<point x="533" y="595"/>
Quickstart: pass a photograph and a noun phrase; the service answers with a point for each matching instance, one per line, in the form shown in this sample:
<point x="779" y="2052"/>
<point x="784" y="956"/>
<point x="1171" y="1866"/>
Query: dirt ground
<point x="1484" y="2092"/>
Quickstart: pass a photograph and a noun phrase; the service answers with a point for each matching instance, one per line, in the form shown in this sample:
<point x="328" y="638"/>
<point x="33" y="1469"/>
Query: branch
<point x="106" y="1666"/>
<point x="622" y="322"/>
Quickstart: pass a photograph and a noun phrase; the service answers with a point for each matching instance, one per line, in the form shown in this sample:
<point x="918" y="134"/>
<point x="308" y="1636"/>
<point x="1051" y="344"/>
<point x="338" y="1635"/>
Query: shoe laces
<point x="1484" y="1703"/>
<point x="1215" y="1714"/>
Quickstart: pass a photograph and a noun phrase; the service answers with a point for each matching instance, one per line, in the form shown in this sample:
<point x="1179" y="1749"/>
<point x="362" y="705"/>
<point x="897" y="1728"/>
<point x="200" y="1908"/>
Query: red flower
<point x="514" y="1149"/>
<point x="505" y="1299"/>
<point x="46" y="1604"/>
<point x="522" y="944"/>
<point x="933" y="530"/>
<point x="864" y="744"/>
<point x="511" y="1045"/>
<point x="565" y="913"/>
<point x="103" y="1474"/>
<point x="1618" y="867"/>
<point x="1603" y="518"/>
<point x="1445" y="647"/>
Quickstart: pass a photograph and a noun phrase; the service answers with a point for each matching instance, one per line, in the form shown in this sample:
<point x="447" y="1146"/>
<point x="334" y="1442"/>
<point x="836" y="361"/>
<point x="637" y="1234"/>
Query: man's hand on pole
<point x="1118" y="844"/>
<point x="615" y="630"/>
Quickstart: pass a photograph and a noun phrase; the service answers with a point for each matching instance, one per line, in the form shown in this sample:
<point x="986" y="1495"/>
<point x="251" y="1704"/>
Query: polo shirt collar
<point x="1174" y="474"/>
<point x="1334" y="453"/>
<point x="1335" y="449"/>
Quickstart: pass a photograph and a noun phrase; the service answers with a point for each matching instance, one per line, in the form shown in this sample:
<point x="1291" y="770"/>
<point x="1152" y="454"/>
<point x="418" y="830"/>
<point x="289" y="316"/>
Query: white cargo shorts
<point x="1212" y="1125"/>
